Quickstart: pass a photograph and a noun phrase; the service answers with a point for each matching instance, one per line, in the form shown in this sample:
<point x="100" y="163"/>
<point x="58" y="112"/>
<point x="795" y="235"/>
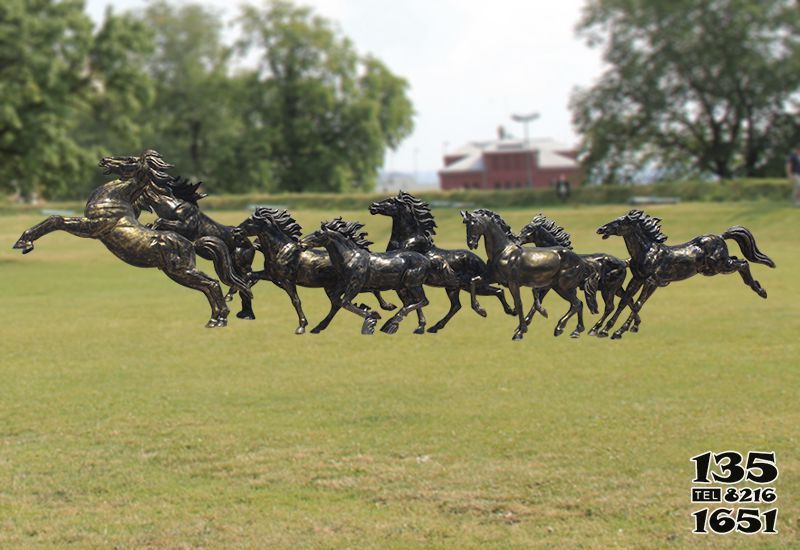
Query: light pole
<point x="525" y="120"/>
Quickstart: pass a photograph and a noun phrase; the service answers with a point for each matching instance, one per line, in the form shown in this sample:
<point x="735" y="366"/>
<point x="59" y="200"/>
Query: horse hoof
<point x="592" y="332"/>
<point x="517" y="336"/>
<point x="388" y="307"/>
<point x="420" y="330"/>
<point x="512" y="312"/>
<point x="634" y="328"/>
<point x="300" y="330"/>
<point x="761" y="292"/>
<point x="602" y="334"/>
<point x="249" y="315"/>
<point x="543" y="311"/>
<point x="558" y="331"/>
<point x="390" y="328"/>
<point x="575" y="334"/>
<point x="616" y="336"/>
<point x="369" y="325"/>
<point x="480" y="311"/>
<point x="229" y="297"/>
<point x="25" y="246"/>
<point x="434" y="329"/>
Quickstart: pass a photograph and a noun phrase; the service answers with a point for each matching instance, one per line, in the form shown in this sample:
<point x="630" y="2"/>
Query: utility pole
<point x="525" y="120"/>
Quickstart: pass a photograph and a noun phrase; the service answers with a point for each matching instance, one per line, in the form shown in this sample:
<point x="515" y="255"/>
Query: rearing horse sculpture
<point x="176" y="206"/>
<point x="413" y="228"/>
<point x="510" y="264"/>
<point x="111" y="217"/>
<point x="654" y="264"/>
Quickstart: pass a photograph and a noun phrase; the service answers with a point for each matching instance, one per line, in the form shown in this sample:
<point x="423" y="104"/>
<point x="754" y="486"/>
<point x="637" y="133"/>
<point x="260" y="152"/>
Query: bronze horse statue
<point x="176" y="206"/>
<point x="413" y="228"/>
<point x="654" y="264"/>
<point x="512" y="265"/>
<point x="287" y="263"/>
<point x="359" y="270"/>
<point x="111" y="216"/>
<point x="543" y="231"/>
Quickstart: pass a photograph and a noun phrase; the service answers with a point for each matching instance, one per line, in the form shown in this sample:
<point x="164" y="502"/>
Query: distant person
<point x="793" y="173"/>
<point x="562" y="188"/>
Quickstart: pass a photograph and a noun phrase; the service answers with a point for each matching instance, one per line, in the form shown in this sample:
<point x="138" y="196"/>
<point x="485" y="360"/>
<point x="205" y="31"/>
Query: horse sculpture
<point x="512" y="265"/>
<point x="176" y="206"/>
<point x="654" y="264"/>
<point x="287" y="263"/>
<point x="111" y="217"/>
<point x="543" y="231"/>
<point x="413" y="228"/>
<point x="401" y="270"/>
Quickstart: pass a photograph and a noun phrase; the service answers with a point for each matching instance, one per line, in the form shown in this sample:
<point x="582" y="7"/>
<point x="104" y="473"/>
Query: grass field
<point x="125" y="423"/>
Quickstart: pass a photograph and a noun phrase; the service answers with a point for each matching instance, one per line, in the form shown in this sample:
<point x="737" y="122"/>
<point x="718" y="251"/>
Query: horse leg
<point x="80" y="227"/>
<point x="455" y="305"/>
<point x="489" y="290"/>
<point x="522" y="328"/>
<point x="291" y="290"/>
<point x="647" y="291"/>
<point x="735" y="264"/>
<point x="538" y="296"/>
<point x="627" y="299"/>
<point x="608" y="299"/>
<point x="407" y="298"/>
<point x="370" y="317"/>
<point x="575" y="306"/>
<point x="413" y="299"/>
<point x="384" y="305"/>
<point x="473" y="285"/>
<point x="336" y="304"/>
<point x="196" y="279"/>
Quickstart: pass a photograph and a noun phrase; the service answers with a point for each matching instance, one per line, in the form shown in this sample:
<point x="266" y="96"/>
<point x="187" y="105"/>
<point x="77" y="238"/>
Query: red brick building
<point x="509" y="164"/>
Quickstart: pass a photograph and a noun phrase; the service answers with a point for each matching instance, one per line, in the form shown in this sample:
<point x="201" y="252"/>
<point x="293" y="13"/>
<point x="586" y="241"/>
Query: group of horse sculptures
<point x="336" y="257"/>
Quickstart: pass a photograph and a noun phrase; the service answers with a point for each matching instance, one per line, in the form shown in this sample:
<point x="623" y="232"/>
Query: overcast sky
<point x="470" y="63"/>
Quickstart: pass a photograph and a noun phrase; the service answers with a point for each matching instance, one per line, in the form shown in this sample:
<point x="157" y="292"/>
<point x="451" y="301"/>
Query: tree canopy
<point x="692" y="86"/>
<point x="283" y="102"/>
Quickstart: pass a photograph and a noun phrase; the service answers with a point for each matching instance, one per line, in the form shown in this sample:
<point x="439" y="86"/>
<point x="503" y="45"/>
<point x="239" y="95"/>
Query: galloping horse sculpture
<point x="512" y="265"/>
<point x="111" y="217"/>
<point x="287" y="263"/>
<point x="413" y="228"/>
<point x="654" y="264"/>
<point x="360" y="270"/>
<point x="543" y="231"/>
<point x="176" y="206"/>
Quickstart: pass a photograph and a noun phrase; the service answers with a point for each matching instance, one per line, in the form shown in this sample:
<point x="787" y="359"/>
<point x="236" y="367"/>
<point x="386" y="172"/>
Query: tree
<point x="63" y="91"/>
<point x="328" y="113"/>
<point x="694" y="85"/>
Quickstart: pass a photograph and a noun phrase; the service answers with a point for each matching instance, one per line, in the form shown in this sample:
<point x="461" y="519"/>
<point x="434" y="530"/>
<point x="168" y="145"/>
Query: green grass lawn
<point x="125" y="423"/>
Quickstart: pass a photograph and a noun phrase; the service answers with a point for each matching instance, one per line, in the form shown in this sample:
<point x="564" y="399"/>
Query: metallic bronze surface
<point x="654" y="264"/>
<point x="542" y="231"/>
<point x="111" y="217"/>
<point x="413" y="228"/>
<point x="287" y="263"/>
<point x="512" y="265"/>
<point x="360" y="270"/>
<point x="175" y="204"/>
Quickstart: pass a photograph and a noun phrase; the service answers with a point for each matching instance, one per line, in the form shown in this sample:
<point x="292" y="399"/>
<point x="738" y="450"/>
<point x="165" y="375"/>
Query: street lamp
<point x="525" y="120"/>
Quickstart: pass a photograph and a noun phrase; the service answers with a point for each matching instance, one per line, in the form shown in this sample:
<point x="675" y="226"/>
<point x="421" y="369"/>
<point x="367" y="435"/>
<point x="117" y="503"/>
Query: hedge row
<point x="733" y="190"/>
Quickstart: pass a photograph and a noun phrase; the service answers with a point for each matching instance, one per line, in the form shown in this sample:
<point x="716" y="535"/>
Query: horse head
<point x="271" y="225"/>
<point x="149" y="167"/>
<point x="387" y="207"/>
<point x="635" y="221"/>
<point x="543" y="231"/>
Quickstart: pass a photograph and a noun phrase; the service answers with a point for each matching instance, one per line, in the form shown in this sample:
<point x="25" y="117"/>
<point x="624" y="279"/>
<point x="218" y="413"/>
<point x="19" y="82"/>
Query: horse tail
<point x="223" y="264"/>
<point x="747" y="243"/>
<point x="590" y="286"/>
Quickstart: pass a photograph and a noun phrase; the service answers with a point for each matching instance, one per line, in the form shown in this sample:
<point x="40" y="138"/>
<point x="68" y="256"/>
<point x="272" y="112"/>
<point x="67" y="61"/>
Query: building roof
<point x="550" y="153"/>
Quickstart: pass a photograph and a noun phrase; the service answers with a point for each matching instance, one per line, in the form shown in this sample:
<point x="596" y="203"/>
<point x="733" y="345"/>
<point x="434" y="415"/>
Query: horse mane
<point x="649" y="224"/>
<point x="152" y="164"/>
<point x="421" y="211"/>
<point x="554" y="230"/>
<point x="349" y="230"/>
<point x="183" y="189"/>
<point x="282" y="219"/>
<point x="499" y="221"/>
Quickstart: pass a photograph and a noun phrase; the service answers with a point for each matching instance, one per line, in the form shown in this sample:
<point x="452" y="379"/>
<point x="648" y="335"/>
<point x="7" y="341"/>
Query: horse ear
<point x="464" y="215"/>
